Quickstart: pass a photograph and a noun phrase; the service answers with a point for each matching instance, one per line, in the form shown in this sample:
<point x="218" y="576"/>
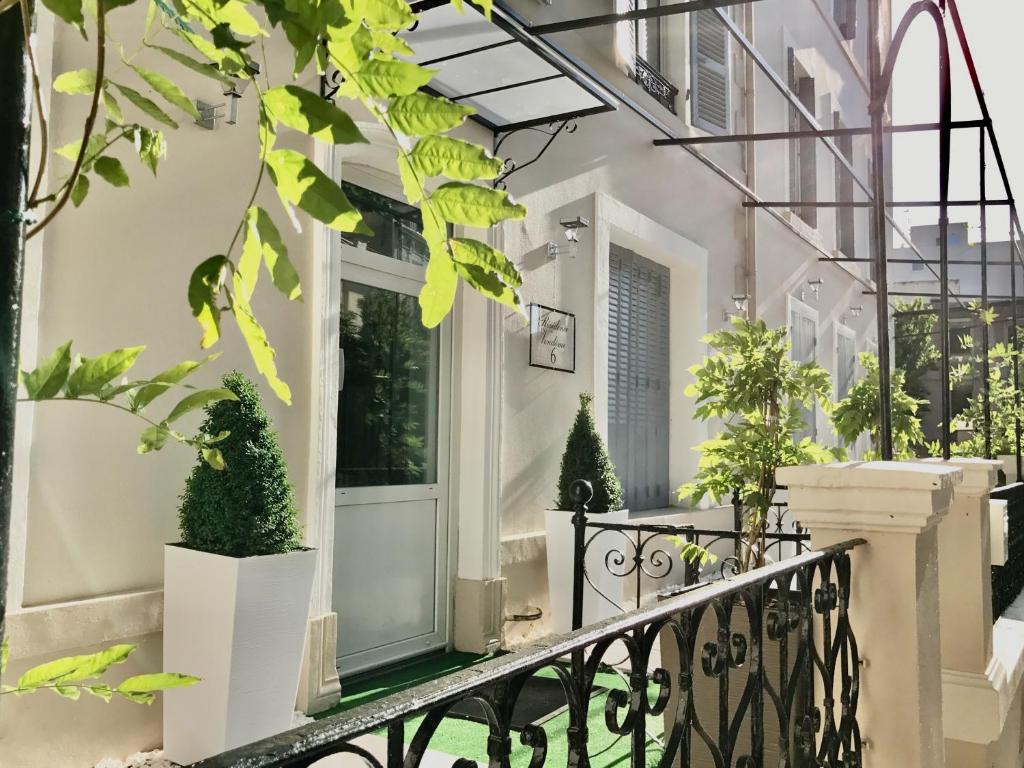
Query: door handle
<point x="341" y="369"/>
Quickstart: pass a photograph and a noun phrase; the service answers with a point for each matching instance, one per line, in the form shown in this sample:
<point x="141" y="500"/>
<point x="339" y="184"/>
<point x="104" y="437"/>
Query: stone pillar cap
<point x="980" y="475"/>
<point x="873" y="474"/>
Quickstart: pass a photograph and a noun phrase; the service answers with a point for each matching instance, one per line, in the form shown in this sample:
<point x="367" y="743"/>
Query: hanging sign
<point x="552" y="339"/>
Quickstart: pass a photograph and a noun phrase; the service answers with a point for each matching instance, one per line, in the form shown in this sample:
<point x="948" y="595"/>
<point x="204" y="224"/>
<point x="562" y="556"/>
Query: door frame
<point x="362" y="163"/>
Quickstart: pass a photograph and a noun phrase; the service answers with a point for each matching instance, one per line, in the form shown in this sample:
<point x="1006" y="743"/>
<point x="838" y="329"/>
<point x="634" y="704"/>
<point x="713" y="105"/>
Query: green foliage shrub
<point x="586" y="458"/>
<point x="859" y="413"/>
<point x="248" y="508"/>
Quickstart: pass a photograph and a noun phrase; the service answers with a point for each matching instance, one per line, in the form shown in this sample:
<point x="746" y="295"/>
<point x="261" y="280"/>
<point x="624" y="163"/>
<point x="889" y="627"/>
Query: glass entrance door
<point x="390" y="571"/>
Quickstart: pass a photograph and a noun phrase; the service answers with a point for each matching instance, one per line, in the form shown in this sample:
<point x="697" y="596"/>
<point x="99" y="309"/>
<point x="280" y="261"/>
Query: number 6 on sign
<point x="552" y="339"/>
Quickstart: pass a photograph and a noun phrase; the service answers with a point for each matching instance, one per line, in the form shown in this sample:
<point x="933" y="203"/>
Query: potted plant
<point x="585" y="458"/>
<point x="236" y="588"/>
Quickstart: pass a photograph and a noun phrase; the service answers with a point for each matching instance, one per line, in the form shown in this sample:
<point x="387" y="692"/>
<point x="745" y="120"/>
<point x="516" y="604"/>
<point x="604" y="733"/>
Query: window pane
<point x="387" y="406"/>
<point x="397" y="227"/>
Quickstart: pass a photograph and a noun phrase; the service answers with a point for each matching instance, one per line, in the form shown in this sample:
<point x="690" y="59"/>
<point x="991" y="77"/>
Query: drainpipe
<point x="750" y="166"/>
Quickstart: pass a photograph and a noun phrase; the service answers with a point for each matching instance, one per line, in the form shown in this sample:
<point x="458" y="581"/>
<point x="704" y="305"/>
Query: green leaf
<point x="153" y="439"/>
<point x="454" y="158"/>
<point x="490" y="286"/>
<point x="438" y="293"/>
<point x="307" y="112"/>
<point x="78" y="81"/>
<point x="111" y="171"/>
<point x="74" y="668"/>
<point x="198" y="399"/>
<point x="387" y="14"/>
<point x="148" y="106"/>
<point x="382" y="78"/>
<point x="67" y="691"/>
<point x="196" y="66"/>
<point x="68" y="10"/>
<point x="80" y="190"/>
<point x="70" y="151"/>
<point x="112" y="107"/>
<point x="214" y="458"/>
<point x="170" y="92"/>
<point x="275" y="255"/>
<point x="166" y="379"/>
<point x="473" y="252"/>
<point x="104" y="692"/>
<point x="259" y="347"/>
<point x="474" y="206"/>
<point x="156" y="681"/>
<point x="420" y="114"/>
<point x="299" y="182"/>
<point x="390" y="43"/>
<point x="203" y="291"/>
<point x="252" y="254"/>
<point x="47" y="379"/>
<point x="96" y="372"/>
<point x="151" y="146"/>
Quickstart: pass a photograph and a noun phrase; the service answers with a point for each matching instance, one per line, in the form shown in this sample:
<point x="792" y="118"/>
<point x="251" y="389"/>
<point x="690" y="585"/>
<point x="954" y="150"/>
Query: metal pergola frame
<point x="883" y="56"/>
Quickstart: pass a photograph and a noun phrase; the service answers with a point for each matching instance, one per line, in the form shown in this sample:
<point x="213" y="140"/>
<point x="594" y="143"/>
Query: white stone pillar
<point x="965" y="569"/>
<point x="894" y="601"/>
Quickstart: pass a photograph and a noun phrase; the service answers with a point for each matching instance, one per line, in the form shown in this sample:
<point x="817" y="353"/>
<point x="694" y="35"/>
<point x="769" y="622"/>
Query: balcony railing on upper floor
<point x="655" y="83"/>
<point x="759" y="669"/>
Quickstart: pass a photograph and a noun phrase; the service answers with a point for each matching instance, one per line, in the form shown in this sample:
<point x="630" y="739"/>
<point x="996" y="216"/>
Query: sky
<point x="993" y="29"/>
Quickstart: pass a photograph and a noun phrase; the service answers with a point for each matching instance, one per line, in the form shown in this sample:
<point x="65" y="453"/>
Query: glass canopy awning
<point x="513" y="79"/>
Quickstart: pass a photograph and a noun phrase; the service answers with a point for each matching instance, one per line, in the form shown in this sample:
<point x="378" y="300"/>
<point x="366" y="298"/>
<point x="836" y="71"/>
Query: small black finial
<point x="581" y="492"/>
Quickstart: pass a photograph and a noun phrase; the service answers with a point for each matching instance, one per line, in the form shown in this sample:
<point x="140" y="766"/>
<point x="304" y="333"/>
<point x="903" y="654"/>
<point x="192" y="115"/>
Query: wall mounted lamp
<point x="209" y="113"/>
<point x="573" y="227"/>
<point x="856" y="311"/>
<point x="741" y="301"/>
<point x="815" y="286"/>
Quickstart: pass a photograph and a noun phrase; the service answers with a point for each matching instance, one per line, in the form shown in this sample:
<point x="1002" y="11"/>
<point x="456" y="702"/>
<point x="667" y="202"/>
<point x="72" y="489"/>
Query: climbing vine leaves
<point x="225" y="40"/>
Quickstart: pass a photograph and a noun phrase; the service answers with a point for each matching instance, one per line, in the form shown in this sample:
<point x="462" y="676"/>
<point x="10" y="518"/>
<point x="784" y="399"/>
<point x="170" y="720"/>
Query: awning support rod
<point x="825" y="133"/>
<point x="654" y="12"/>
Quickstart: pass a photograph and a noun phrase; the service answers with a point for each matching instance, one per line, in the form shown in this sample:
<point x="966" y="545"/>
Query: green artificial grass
<point x="464" y="738"/>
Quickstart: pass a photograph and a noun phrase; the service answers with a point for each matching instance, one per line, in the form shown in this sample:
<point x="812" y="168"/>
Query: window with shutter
<point x="845" y="224"/>
<point x="803" y="152"/>
<point x="846" y="361"/>
<point x="710" y="83"/>
<point x="845" y="14"/>
<point x="638" y="377"/>
<point x="803" y="337"/>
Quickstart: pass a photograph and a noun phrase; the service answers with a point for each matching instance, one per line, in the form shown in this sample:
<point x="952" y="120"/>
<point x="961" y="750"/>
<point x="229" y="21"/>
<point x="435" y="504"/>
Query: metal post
<point x="737" y="523"/>
<point x="985" y="372"/>
<point x="580" y="492"/>
<point x="878" y="233"/>
<point x="14" y="163"/>
<point x="1015" y="343"/>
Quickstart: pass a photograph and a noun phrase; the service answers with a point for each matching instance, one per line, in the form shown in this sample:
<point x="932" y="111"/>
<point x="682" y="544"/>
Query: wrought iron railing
<point x="1008" y="580"/>
<point x="640" y="551"/>
<point x="655" y="83"/>
<point x="760" y="669"/>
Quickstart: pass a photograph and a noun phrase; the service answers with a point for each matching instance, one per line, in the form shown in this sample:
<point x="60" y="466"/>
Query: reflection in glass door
<point x="390" y="570"/>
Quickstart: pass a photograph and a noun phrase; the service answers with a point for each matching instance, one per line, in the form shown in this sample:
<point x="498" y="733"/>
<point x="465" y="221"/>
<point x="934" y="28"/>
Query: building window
<point x="803" y="338"/>
<point x="641" y="44"/>
<point x="845" y="14"/>
<point x="638" y="377"/>
<point x="845" y="223"/>
<point x="803" y="159"/>
<point x="846" y="361"/>
<point x="397" y="226"/>
<point x="710" y="80"/>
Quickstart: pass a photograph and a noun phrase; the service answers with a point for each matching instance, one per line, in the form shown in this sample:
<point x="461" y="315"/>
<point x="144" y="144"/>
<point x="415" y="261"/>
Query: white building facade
<point x="431" y="535"/>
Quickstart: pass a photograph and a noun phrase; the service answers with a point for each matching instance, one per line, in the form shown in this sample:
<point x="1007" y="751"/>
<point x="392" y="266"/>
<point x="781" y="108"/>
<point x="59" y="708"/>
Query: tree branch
<point x="90" y="121"/>
<point x="44" y="133"/>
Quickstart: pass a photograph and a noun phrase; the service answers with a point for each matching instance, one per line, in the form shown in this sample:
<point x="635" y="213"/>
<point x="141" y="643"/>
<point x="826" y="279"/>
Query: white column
<point x="476" y="423"/>
<point x="894" y="601"/>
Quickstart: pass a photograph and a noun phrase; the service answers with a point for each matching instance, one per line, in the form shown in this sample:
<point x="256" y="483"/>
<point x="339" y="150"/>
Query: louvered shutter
<point x="710" y="91"/>
<point x="638" y="377"/>
<point x="803" y="331"/>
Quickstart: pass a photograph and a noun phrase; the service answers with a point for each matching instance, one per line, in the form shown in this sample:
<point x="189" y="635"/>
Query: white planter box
<point x="240" y="625"/>
<point x="560" y="544"/>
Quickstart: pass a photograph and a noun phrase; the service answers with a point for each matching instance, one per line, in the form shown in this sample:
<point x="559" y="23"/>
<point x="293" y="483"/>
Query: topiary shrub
<point x="247" y="508"/>
<point x="586" y="458"/>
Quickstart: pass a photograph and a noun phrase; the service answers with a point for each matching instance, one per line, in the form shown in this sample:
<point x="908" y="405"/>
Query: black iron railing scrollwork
<point x="655" y="83"/>
<point x="758" y="670"/>
<point x="1008" y="580"/>
<point x="651" y="552"/>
